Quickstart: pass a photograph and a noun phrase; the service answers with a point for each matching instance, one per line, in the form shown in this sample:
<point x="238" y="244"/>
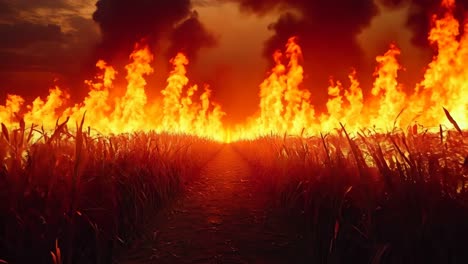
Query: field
<point x="376" y="175"/>
<point x="399" y="197"/>
<point x="375" y="198"/>
<point x="75" y="198"/>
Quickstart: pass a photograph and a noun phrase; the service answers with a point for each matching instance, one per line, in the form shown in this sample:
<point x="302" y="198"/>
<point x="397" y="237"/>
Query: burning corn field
<point x="146" y="166"/>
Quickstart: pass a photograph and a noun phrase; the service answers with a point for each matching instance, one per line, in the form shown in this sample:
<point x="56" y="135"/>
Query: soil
<point x="223" y="217"/>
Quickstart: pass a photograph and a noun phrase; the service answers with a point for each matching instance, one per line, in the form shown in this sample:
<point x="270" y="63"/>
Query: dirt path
<point x="222" y="218"/>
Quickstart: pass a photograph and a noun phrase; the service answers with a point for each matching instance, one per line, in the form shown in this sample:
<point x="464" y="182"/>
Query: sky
<point x="229" y="42"/>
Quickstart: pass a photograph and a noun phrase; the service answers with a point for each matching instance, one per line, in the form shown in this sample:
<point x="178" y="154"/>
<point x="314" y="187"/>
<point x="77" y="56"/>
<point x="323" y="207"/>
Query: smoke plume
<point x="123" y="23"/>
<point x="421" y="11"/>
<point x="326" y="30"/>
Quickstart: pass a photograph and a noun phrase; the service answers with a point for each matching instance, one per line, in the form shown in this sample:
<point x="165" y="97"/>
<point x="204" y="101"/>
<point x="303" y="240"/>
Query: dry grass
<point x="69" y="197"/>
<point x="399" y="197"/>
<point x="372" y="198"/>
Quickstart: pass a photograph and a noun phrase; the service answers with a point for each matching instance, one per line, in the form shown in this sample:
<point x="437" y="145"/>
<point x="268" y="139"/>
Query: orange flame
<point x="285" y="105"/>
<point x="183" y="114"/>
<point x="286" y="109"/>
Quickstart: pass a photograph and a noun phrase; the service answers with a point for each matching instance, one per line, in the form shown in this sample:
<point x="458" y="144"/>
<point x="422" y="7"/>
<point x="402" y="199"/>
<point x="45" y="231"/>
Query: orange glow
<point x="184" y="115"/>
<point x="285" y="104"/>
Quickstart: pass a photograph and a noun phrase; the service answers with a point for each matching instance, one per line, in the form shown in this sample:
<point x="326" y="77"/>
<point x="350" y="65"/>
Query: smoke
<point x="43" y="43"/>
<point x="327" y="31"/>
<point x="421" y="11"/>
<point x="189" y="37"/>
<point x="123" y="23"/>
<point x="23" y="34"/>
<point x="328" y="26"/>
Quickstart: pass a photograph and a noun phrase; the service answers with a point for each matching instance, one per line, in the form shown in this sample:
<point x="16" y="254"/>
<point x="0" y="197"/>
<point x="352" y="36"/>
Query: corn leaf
<point x="454" y="123"/>
<point x="5" y="132"/>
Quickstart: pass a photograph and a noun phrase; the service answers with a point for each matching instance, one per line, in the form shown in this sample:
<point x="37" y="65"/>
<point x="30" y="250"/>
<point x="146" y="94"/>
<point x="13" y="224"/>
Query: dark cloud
<point x="25" y="34"/>
<point x="421" y="11"/>
<point x="125" y="22"/>
<point x="36" y="50"/>
<point x="16" y="61"/>
<point x="327" y="31"/>
<point x="37" y="47"/>
<point x="332" y="24"/>
<point x="5" y="8"/>
<point x="189" y="37"/>
<point x="29" y="42"/>
<point x="10" y="10"/>
<point x="38" y="62"/>
<point x="28" y="4"/>
<point x="30" y="47"/>
<point x="67" y="44"/>
<point x="7" y="12"/>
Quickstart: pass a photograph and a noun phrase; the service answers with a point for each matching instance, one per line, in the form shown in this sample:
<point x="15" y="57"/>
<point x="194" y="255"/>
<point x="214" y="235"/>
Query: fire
<point x="12" y="106"/>
<point x="130" y="110"/>
<point x="391" y="97"/>
<point x="286" y="108"/>
<point x="285" y="104"/>
<point x="46" y="112"/>
<point x="181" y="112"/>
<point x="445" y="81"/>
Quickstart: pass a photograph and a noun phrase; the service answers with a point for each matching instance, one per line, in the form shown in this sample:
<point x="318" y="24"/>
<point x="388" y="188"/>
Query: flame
<point x="446" y="79"/>
<point x="181" y="112"/>
<point x="184" y="115"/>
<point x="47" y="112"/>
<point x="286" y="108"/>
<point x="13" y="105"/>
<point x="285" y="104"/>
<point x="97" y="100"/>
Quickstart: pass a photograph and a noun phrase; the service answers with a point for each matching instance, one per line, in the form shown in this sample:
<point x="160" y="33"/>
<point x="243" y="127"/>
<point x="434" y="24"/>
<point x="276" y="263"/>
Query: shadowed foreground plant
<point x="73" y="197"/>
<point x="375" y="198"/>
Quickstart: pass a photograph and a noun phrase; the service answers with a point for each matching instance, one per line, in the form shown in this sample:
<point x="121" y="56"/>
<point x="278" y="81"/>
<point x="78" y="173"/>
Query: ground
<point x="223" y="217"/>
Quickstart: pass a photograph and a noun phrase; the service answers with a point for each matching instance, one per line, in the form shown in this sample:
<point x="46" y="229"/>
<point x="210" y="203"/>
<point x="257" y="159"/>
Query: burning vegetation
<point x="378" y="178"/>
<point x="285" y="106"/>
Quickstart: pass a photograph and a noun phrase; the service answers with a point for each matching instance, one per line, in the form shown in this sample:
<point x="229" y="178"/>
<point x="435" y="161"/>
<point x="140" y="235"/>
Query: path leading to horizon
<point x="221" y="218"/>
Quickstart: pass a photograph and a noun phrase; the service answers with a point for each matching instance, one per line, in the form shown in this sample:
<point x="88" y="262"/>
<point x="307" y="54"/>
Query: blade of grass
<point x="5" y="132"/>
<point x="454" y="123"/>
